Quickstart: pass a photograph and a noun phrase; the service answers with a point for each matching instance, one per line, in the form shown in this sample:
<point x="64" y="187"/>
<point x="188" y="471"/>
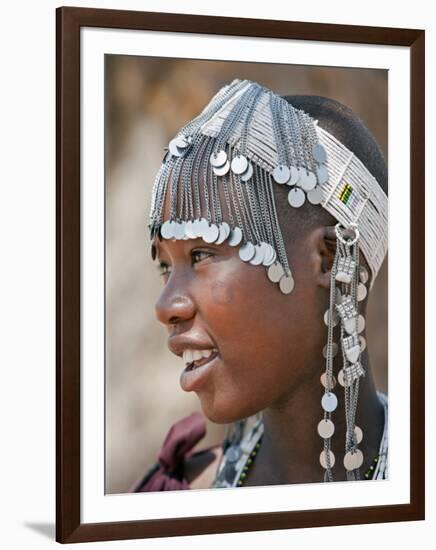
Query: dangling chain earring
<point x="343" y="308"/>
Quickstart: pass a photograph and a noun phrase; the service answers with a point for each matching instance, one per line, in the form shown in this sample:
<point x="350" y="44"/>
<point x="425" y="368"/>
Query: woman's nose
<point x="174" y="304"/>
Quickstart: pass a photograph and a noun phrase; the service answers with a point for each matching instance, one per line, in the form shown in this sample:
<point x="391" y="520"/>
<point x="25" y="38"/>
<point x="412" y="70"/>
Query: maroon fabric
<point x="180" y="439"/>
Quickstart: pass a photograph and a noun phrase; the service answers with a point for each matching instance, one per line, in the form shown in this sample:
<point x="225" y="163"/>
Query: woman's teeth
<point x="195" y="358"/>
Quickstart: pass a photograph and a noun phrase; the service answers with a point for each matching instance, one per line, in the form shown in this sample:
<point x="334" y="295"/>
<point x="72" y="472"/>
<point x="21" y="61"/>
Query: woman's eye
<point x="163" y="267"/>
<point x="197" y="253"/>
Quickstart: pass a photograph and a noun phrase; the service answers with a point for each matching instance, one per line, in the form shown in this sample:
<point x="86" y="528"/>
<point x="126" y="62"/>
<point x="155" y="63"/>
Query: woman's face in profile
<point x="264" y="338"/>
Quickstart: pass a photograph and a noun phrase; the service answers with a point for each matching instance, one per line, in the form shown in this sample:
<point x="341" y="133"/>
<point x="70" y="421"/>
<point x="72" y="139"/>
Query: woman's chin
<point x="222" y="414"/>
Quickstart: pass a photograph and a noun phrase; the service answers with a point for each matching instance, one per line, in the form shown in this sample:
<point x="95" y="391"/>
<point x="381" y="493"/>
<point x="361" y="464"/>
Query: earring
<point x="343" y="310"/>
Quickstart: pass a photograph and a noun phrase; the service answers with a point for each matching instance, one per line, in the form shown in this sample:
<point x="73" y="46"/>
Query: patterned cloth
<point x="167" y="474"/>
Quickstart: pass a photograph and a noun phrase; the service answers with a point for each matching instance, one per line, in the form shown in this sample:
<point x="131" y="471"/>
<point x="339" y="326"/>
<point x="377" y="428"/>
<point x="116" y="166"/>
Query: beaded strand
<point x="248" y="464"/>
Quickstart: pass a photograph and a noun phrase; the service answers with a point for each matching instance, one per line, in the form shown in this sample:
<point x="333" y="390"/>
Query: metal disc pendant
<point x="200" y="226"/>
<point x="363" y="275"/>
<point x="247" y="251"/>
<point x="358" y="434"/>
<point x="295" y="174"/>
<point x="322" y="174"/>
<point x="218" y="159"/>
<point x="324" y="381"/>
<point x="248" y="173"/>
<point x="300" y="172"/>
<point x="361" y="292"/>
<point x="259" y="254"/>
<point x="211" y="234"/>
<point x="319" y="153"/>
<point x="222" y="170"/>
<point x="326" y="428"/>
<point x="224" y="230"/>
<point x="362" y="342"/>
<point x="323" y="459"/>
<point x="179" y="231"/>
<point x="296" y="197"/>
<point x="167" y="229"/>
<point x="287" y="284"/>
<point x="329" y="402"/>
<point x="341" y="378"/>
<point x="235" y="236"/>
<point x="189" y="229"/>
<point x="315" y="195"/>
<point x="308" y="181"/>
<point x="360" y="324"/>
<point x="181" y="142"/>
<point x="335" y="318"/>
<point x="350" y="325"/>
<point x="281" y="174"/>
<point x="174" y="150"/>
<point x="352" y="461"/>
<point x="275" y="272"/>
<point x="334" y="350"/>
<point x="239" y="164"/>
<point x="270" y="256"/>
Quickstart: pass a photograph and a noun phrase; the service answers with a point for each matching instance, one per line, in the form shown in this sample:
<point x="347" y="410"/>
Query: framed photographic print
<point x="240" y="274"/>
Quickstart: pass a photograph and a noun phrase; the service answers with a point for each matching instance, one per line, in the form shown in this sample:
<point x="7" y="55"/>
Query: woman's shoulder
<point x="178" y="467"/>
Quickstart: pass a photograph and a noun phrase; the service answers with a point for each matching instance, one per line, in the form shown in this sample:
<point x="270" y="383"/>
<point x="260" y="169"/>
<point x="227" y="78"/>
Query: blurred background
<point x="147" y="100"/>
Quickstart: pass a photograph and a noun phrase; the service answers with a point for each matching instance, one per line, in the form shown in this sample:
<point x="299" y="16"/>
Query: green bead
<point x="249" y="461"/>
<point x="243" y="475"/>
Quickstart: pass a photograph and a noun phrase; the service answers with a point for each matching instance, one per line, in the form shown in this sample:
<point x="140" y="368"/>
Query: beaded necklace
<point x="249" y="464"/>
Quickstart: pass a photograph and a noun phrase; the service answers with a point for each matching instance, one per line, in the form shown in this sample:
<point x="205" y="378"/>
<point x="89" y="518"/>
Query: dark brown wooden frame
<point x="68" y="24"/>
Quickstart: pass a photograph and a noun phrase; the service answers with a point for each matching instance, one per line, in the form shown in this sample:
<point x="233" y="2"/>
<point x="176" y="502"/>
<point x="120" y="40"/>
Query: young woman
<point x="269" y="223"/>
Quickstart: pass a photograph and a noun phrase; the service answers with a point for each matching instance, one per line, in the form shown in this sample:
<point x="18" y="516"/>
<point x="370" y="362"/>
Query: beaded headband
<point x="246" y="139"/>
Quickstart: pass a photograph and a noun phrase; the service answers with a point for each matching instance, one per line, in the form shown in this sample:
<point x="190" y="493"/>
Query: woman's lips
<point x="190" y="380"/>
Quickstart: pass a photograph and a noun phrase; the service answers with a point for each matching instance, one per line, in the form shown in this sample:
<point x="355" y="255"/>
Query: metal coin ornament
<point x="329" y="402"/>
<point x="259" y="254"/>
<point x="221" y="170"/>
<point x="286" y="284"/>
<point x="248" y="173"/>
<point x="218" y="159"/>
<point x="281" y="174"/>
<point x="270" y="256"/>
<point x="296" y="197"/>
<point x="326" y="428"/>
<point x="235" y="236"/>
<point x="322" y="175"/>
<point x="211" y="234"/>
<point x="247" y="251"/>
<point x="224" y="232"/>
<point x="323" y="459"/>
<point x="319" y="153"/>
<point x="239" y="164"/>
<point x="315" y="196"/>
<point x="353" y="460"/>
<point x="189" y="229"/>
<point x="200" y="227"/>
<point x="167" y="229"/>
<point x="179" y="231"/>
<point x="295" y="174"/>
<point x="275" y="272"/>
<point x="307" y="181"/>
<point x="329" y="382"/>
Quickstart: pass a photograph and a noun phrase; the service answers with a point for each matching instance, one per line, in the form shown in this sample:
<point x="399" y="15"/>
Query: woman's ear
<point x="327" y="251"/>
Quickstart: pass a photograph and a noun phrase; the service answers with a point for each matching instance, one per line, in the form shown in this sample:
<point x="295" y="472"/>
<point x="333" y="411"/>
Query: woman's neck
<point x="291" y="446"/>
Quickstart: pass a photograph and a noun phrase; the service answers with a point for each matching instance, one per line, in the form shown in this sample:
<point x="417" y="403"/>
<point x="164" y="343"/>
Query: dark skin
<point x="270" y="349"/>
